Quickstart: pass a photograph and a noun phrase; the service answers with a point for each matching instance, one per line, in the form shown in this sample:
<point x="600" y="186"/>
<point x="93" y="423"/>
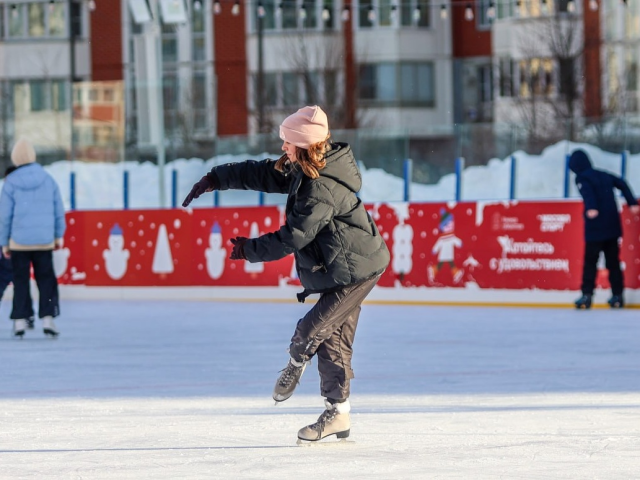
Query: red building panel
<point x="106" y="41"/>
<point x="468" y="40"/>
<point x="231" y="71"/>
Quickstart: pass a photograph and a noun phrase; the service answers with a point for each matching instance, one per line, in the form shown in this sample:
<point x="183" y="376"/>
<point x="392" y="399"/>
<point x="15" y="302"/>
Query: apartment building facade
<point x="412" y="67"/>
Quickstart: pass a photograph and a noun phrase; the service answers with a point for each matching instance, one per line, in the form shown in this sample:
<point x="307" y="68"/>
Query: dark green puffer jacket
<point x="333" y="238"/>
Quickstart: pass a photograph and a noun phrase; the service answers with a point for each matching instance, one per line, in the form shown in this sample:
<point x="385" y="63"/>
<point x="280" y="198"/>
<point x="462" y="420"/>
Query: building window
<point x="269" y="87"/>
<point x="567" y="76"/>
<point x="290" y="91"/>
<point x="198" y="45"/>
<point x="536" y="77"/>
<point x="416" y="82"/>
<point x="199" y="100"/>
<point x="308" y="14"/>
<point x="16" y="20"/>
<point x="20" y="94"/>
<point x="38" y="96"/>
<point x="57" y="23"/>
<point x="36" y="20"/>
<point x="485" y="83"/>
<point x="536" y="8"/>
<point x="169" y="44"/>
<point x="416" y="13"/>
<point x="295" y="14"/>
<point x="288" y="14"/>
<point x="366" y="13"/>
<point x="632" y="75"/>
<point x="504" y="9"/>
<point x="398" y="84"/>
<point x="311" y="88"/>
<point x="386" y="13"/>
<point x="331" y="87"/>
<point x="327" y="14"/>
<point x="484" y="19"/>
<point x="59" y="95"/>
<point x="506" y="67"/>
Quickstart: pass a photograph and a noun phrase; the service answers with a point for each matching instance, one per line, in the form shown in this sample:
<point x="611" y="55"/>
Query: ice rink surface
<point x="182" y="390"/>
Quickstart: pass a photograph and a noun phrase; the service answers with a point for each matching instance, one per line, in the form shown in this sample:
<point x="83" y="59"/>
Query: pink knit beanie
<point x="23" y="153"/>
<point x="307" y="126"/>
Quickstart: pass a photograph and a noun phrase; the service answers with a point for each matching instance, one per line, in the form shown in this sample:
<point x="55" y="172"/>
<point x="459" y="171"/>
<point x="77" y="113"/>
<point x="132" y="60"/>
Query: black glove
<point x="238" y="248"/>
<point x="208" y="183"/>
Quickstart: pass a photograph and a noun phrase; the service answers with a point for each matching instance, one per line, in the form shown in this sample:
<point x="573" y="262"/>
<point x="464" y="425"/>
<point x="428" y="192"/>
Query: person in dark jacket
<point x="602" y="226"/>
<point x="338" y="250"/>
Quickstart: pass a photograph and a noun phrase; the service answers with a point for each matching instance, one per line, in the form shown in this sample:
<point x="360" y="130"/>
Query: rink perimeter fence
<point x="505" y="252"/>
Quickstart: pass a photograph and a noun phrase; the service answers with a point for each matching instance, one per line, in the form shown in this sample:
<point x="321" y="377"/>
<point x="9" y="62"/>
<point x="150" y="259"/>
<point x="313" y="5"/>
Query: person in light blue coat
<point x="32" y="225"/>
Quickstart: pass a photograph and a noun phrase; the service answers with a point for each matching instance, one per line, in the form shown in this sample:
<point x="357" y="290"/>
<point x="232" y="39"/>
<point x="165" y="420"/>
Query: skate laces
<point x="326" y="417"/>
<point x="289" y="374"/>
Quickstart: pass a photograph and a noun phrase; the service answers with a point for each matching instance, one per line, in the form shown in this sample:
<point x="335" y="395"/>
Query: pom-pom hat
<point x="306" y="127"/>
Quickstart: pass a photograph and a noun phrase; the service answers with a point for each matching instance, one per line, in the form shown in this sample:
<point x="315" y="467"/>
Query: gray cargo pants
<point x="328" y="331"/>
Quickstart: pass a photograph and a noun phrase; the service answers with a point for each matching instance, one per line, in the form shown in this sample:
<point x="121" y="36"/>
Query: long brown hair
<point x="311" y="160"/>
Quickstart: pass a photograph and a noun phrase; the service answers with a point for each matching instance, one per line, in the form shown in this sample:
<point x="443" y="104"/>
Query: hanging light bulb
<point x="197" y="5"/>
<point x="624" y="2"/>
<point x="326" y="14"/>
<point x="217" y="8"/>
<point x="491" y="11"/>
<point x="14" y="10"/>
<point x="416" y="14"/>
<point x="571" y="6"/>
<point x="261" y="12"/>
<point x="593" y="5"/>
<point x="468" y="13"/>
<point x="372" y="14"/>
<point x="303" y="13"/>
<point x="346" y="14"/>
<point x="544" y="6"/>
<point x="394" y="11"/>
<point x="443" y="12"/>
<point x="235" y="10"/>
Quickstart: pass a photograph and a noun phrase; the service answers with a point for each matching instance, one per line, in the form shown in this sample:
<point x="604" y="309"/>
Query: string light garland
<point x="416" y="13"/>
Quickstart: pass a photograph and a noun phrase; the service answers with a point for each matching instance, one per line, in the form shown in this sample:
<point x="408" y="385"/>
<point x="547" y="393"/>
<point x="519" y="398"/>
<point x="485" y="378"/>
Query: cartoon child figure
<point x="116" y="256"/>
<point x="445" y="248"/>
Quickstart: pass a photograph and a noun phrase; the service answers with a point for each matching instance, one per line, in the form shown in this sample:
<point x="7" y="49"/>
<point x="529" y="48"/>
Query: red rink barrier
<point x="490" y="245"/>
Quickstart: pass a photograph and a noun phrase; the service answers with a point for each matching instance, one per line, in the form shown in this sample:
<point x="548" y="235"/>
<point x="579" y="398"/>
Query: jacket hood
<point x="579" y="162"/>
<point x="341" y="167"/>
<point x="28" y="177"/>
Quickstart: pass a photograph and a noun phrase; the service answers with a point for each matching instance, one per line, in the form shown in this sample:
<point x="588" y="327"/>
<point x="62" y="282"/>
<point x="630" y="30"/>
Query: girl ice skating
<point x="338" y="250"/>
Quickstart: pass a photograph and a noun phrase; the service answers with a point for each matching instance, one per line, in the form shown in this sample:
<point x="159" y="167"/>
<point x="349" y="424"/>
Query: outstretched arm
<point x="621" y="185"/>
<point x="260" y="176"/>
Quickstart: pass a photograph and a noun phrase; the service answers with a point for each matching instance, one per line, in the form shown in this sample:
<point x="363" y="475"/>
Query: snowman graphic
<point x="215" y="254"/>
<point x="116" y="257"/>
<point x="60" y="261"/>
<point x="445" y="248"/>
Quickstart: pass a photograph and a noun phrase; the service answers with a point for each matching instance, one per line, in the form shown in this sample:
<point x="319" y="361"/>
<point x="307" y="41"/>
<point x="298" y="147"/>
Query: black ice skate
<point x="288" y="380"/>
<point x="584" y="302"/>
<point x="30" y="323"/>
<point x="616" y="301"/>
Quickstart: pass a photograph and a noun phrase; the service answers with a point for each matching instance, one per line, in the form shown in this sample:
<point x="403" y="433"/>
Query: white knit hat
<point x="23" y="153"/>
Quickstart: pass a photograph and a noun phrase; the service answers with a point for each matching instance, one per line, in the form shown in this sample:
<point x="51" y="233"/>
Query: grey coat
<point x="333" y="238"/>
